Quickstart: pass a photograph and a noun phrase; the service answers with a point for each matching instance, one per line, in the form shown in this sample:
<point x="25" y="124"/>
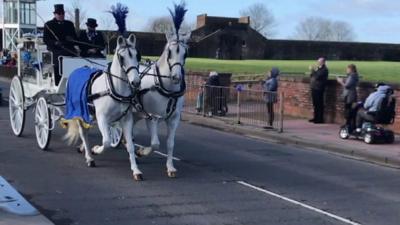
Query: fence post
<point x="203" y="87"/>
<point x="238" y="107"/>
<point x="281" y="111"/>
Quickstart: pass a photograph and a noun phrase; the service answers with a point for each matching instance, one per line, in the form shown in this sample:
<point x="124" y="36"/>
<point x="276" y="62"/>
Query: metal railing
<point x="238" y="105"/>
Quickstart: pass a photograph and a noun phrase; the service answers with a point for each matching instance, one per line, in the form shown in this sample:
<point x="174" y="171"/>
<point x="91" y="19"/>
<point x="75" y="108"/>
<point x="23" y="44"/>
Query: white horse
<point x="113" y="104"/>
<point x="161" y="94"/>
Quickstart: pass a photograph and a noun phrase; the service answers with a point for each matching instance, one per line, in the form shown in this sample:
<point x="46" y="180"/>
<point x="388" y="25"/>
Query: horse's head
<point x="128" y="58"/>
<point x="176" y="52"/>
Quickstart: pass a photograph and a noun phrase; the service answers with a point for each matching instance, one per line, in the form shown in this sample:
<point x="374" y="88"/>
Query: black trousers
<point x="318" y="104"/>
<point x="364" y="116"/>
<point x="56" y="54"/>
<point x="350" y="114"/>
<point x="57" y="76"/>
<point x="271" y="115"/>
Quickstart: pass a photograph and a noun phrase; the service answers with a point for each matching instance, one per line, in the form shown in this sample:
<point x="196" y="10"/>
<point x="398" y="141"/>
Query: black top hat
<point x="91" y="22"/>
<point x="59" y="8"/>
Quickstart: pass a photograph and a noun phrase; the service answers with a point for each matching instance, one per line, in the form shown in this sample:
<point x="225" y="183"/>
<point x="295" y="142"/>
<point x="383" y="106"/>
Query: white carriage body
<point x="34" y="86"/>
<point x="35" y="67"/>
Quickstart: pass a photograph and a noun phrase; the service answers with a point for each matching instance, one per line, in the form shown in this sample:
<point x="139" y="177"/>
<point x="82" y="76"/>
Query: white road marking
<point x="344" y="220"/>
<point x="160" y="153"/>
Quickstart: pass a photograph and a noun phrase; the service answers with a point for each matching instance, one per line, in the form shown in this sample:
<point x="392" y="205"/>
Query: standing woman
<point x="270" y="93"/>
<point x="349" y="93"/>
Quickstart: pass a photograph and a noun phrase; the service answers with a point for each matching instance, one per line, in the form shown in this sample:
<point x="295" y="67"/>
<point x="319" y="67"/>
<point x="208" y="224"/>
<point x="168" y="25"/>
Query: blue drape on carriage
<point x="76" y="95"/>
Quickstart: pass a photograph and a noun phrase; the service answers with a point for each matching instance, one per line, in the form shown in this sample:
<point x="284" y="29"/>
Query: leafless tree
<point x="70" y="12"/>
<point x="261" y="19"/>
<point x="342" y="31"/>
<point x="164" y="25"/>
<point x="320" y="29"/>
<point x="108" y="25"/>
<point x="160" y="25"/>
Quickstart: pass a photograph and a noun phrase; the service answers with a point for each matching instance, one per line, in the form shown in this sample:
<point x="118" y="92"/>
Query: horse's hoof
<point x="91" y="164"/>
<point x="138" y="177"/>
<point x="171" y="174"/>
<point x="78" y="150"/>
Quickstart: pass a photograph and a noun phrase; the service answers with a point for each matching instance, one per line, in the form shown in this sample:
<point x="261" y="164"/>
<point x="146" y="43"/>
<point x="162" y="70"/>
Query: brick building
<point x="235" y="39"/>
<point x="226" y="38"/>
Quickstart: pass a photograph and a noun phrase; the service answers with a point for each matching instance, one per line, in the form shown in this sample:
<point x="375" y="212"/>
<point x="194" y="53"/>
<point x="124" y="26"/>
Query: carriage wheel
<point x="42" y="123"/>
<point x="16" y="106"/>
<point x="116" y="135"/>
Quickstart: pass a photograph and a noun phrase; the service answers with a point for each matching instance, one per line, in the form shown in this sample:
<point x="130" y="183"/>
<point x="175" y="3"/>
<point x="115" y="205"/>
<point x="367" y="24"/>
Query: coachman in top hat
<point x="91" y="41"/>
<point x="59" y="35"/>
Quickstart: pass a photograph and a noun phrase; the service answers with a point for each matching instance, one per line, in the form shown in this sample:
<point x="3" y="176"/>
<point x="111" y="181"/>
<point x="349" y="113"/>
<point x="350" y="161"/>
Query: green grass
<point x="370" y="71"/>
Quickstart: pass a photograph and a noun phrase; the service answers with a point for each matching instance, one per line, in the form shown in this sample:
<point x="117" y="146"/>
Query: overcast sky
<point x="373" y="20"/>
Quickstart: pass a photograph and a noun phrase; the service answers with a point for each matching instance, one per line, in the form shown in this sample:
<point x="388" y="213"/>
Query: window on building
<point x="10" y="12"/>
<point x="28" y="13"/>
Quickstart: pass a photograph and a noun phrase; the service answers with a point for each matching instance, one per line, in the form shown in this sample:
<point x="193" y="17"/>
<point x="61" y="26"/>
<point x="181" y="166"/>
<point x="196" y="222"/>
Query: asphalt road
<point x="281" y="184"/>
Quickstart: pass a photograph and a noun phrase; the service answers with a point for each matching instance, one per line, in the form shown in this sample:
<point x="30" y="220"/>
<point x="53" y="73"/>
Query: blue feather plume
<point x="178" y="15"/>
<point x="120" y="12"/>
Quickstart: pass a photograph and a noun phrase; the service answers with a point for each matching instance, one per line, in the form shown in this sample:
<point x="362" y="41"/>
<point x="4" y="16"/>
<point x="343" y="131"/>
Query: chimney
<point x="201" y="20"/>
<point x="244" y="20"/>
<point x="77" y="21"/>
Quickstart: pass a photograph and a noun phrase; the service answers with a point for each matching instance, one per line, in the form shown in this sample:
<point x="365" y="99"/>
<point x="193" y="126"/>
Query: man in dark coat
<point x="319" y="78"/>
<point x="59" y="35"/>
<point x="213" y="92"/>
<point x="94" y="39"/>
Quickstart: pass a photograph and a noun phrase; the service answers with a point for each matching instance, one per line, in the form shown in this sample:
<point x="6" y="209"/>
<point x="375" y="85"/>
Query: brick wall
<point x="298" y="100"/>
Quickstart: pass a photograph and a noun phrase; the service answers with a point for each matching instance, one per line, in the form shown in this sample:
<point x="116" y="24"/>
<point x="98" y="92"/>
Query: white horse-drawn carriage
<point x="34" y="87"/>
<point x="121" y="93"/>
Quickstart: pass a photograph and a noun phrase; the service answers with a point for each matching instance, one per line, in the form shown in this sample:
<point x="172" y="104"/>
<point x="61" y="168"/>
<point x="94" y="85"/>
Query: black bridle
<point x="121" y="63"/>
<point x="180" y="64"/>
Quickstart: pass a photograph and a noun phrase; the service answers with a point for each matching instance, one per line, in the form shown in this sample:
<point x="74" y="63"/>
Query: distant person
<point x="270" y="93"/>
<point x="349" y="94"/>
<point x="94" y="40"/>
<point x="6" y="57"/>
<point x="59" y="35"/>
<point x="13" y="61"/>
<point x="372" y="105"/>
<point x="218" y="53"/>
<point x="319" y="78"/>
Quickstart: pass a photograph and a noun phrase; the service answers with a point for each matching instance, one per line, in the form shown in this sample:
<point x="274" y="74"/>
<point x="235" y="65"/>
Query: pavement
<point x="16" y="210"/>
<point x="317" y="136"/>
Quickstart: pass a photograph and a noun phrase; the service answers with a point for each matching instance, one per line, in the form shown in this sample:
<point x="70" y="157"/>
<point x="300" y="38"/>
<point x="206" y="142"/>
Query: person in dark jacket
<point x="349" y="94"/>
<point x="212" y="93"/>
<point x="270" y="91"/>
<point x="59" y="35"/>
<point x="319" y="78"/>
<point x="93" y="38"/>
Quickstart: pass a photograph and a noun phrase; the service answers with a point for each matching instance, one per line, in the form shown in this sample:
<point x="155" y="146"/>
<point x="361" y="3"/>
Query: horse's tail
<point x="72" y="135"/>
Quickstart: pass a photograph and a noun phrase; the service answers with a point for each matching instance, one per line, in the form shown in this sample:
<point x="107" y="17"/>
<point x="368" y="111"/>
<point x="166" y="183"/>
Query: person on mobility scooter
<point x="379" y="108"/>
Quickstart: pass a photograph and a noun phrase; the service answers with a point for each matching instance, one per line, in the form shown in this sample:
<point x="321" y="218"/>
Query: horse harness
<point x="131" y="100"/>
<point x="135" y="99"/>
<point x="160" y="88"/>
